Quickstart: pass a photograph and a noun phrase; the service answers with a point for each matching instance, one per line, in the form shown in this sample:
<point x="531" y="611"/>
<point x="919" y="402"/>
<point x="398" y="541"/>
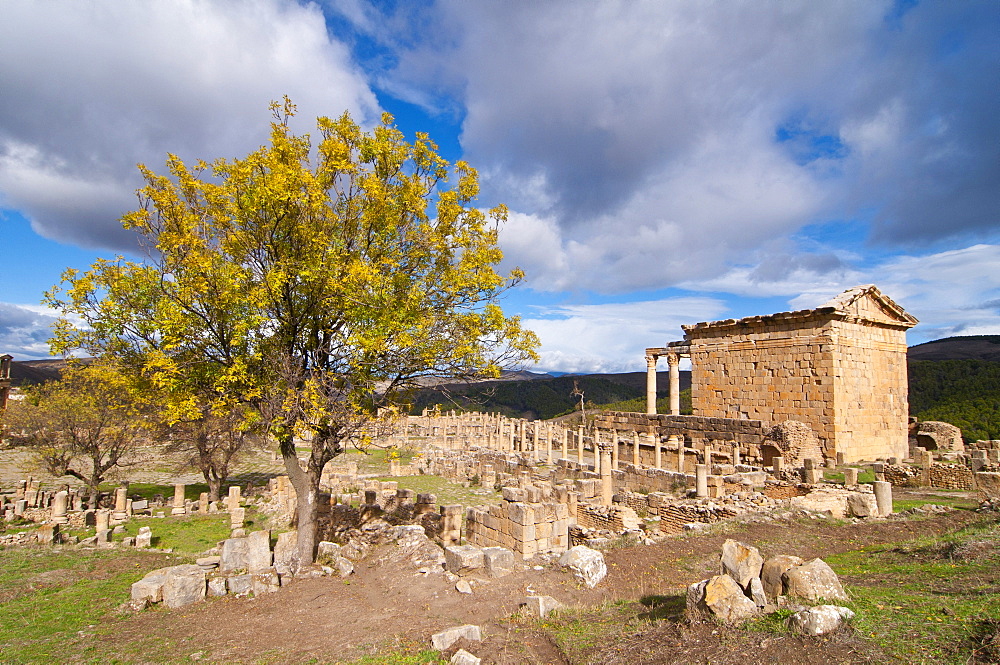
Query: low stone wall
<point x="610" y="518"/>
<point x="674" y="517"/>
<point x="943" y="476"/>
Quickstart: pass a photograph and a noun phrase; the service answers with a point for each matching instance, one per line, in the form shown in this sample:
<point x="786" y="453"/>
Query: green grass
<point x="448" y="492"/>
<point x="899" y="505"/>
<point x="48" y="596"/>
<point x="187" y="534"/>
<point x="924" y="600"/>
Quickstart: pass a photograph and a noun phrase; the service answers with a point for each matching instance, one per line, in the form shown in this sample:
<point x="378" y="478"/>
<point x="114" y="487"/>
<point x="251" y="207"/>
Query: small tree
<point x="212" y="442"/>
<point x="84" y="426"/>
<point x="310" y="282"/>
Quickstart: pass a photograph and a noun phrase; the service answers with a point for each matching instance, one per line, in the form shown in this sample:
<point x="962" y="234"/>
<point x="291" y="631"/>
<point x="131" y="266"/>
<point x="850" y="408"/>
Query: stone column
<point x="510" y="437"/>
<point x="650" y="384"/>
<point x="534" y="440"/>
<point x="615" y="453"/>
<point x="548" y="443"/>
<point x="850" y="477"/>
<point x="635" y="449"/>
<point x="565" y="443"/>
<point x="678" y="440"/>
<point x="121" y="496"/>
<point x="607" y="487"/>
<point x="657" y="451"/>
<point x="701" y="480"/>
<point x="597" y="454"/>
<point x="778" y="464"/>
<point x="103" y="526"/>
<point x="736" y="454"/>
<point x="522" y="445"/>
<point x="579" y="444"/>
<point x="883" y="497"/>
<point x="59" y="506"/>
<point x="233" y="500"/>
<point x="203" y="503"/>
<point x="674" y="365"/>
<point x="926" y="462"/>
<point x="178" y="508"/>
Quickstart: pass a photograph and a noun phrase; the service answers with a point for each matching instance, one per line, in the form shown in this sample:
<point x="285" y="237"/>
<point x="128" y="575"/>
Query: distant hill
<point x="971" y="347"/>
<point x="542" y="397"/>
<point x="31" y="372"/>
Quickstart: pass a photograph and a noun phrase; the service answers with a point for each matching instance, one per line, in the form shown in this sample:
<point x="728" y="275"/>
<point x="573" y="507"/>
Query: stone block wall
<point x="611" y="518"/>
<point x="524" y="528"/>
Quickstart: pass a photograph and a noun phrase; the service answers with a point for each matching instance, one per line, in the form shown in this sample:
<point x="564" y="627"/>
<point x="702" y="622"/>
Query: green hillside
<point x="965" y="393"/>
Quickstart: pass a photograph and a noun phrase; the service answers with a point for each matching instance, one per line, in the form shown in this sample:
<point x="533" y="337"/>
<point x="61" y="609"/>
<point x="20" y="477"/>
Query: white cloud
<point x="25" y="330"/>
<point x="643" y="136"/>
<point x="612" y="337"/>
<point x="92" y="88"/>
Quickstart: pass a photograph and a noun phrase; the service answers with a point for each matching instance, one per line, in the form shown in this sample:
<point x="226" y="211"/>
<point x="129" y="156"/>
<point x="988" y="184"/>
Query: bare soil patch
<point x="385" y="606"/>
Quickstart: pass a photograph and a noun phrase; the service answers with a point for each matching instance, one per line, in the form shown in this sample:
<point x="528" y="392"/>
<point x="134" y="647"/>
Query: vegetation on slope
<point x="965" y="393"/>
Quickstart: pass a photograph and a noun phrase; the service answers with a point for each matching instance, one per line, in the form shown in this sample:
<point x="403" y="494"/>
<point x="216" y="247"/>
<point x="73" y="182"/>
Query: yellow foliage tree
<point x="87" y="425"/>
<point x="312" y="282"/>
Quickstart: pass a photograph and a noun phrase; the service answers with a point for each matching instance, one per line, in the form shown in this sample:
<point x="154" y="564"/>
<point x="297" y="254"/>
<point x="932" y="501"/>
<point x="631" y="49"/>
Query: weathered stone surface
<point x="756" y="591"/>
<point x="240" y="585"/>
<point x="463" y="657"/>
<point x="285" y="550"/>
<point x="725" y="599"/>
<point x="862" y="504"/>
<point x="145" y="537"/>
<point x="498" y="561"/>
<point x="266" y="581"/>
<point x="185" y="584"/>
<point x="834" y="503"/>
<point x="813" y="580"/>
<point x="461" y="559"/>
<point x="217" y="586"/>
<point x="463" y="586"/>
<point x="327" y="552"/>
<point x="587" y="565"/>
<point x="819" y="620"/>
<point x="446" y="638"/>
<point x="773" y="569"/>
<point x="988" y="485"/>
<point x="343" y="566"/>
<point x="150" y="587"/>
<point x="741" y="562"/>
<point x="541" y="606"/>
<point x="258" y="545"/>
<point x="234" y="555"/>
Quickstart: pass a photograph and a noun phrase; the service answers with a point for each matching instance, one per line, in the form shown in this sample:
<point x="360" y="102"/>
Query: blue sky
<point x="664" y="162"/>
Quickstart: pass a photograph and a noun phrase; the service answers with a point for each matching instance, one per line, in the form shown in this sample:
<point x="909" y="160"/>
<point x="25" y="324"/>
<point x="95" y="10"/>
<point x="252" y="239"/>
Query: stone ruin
<point x="748" y="586"/>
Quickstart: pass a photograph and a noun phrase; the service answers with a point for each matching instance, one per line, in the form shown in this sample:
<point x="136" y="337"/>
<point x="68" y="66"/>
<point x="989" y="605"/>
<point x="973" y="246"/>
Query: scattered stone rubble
<point x="749" y="586"/>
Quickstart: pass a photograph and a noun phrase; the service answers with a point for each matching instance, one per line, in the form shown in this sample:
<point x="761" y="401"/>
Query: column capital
<point x="650" y="361"/>
<point x="673" y="358"/>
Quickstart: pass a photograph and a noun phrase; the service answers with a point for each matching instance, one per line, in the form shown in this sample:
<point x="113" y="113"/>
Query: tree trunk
<point x="214" y="486"/>
<point x="306" y="484"/>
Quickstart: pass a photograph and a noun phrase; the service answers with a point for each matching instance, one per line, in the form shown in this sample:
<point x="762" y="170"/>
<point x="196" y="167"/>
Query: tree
<point x="309" y="282"/>
<point x="84" y="426"/>
<point x="212" y="442"/>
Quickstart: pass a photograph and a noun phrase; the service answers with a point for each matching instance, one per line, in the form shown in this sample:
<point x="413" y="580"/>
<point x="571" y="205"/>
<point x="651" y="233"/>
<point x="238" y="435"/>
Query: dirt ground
<point x="388" y="602"/>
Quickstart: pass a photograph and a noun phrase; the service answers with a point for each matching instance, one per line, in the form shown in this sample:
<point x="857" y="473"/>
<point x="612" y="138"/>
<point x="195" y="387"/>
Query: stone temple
<point x="839" y="368"/>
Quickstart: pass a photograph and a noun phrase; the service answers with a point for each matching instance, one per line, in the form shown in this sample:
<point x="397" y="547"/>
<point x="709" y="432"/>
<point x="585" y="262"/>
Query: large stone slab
<point x="446" y="638"/>
<point x="150" y="587"/>
<point x="461" y="559"/>
<point x="185" y="584"/>
<point x="258" y="544"/>
<point x="587" y="565"/>
<point x="813" y="580"/>
<point x="819" y="620"/>
<point x="862" y="504"/>
<point x="286" y="549"/>
<point x="233" y="555"/>
<point x="773" y="569"/>
<point x="498" y="561"/>
<point x="722" y="597"/>
<point x="741" y="562"/>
